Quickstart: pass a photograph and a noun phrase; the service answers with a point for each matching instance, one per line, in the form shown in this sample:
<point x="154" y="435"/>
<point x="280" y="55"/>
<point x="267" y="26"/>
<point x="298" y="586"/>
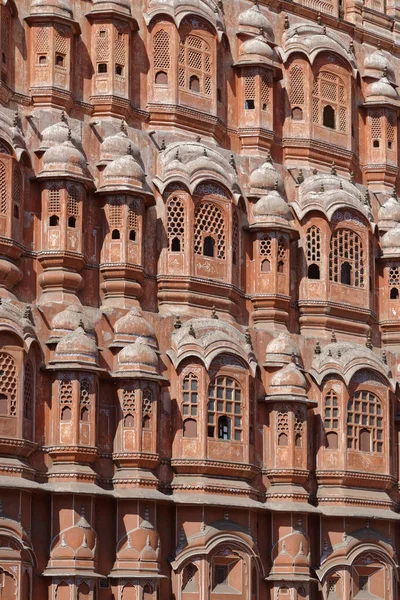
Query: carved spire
<point x="333" y="168"/>
<point x="317" y="348"/>
<point x="214" y="313"/>
<point x="163" y="145"/>
<point x="300" y="176"/>
<point x="192" y="331"/>
<point x="368" y="343"/>
<point x="286" y="23"/>
<point x="333" y="337"/>
<point x="178" y="322"/>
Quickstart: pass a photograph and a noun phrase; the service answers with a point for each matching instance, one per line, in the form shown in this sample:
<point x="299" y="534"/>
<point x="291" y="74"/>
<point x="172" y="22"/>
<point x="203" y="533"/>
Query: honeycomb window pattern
<point x="161" y="50"/>
<point x="364" y="413"/>
<point x="176" y="222"/>
<point x="84" y="398"/>
<point x="147" y="403"/>
<point x="313" y="245"/>
<point x="296" y="86"/>
<point x="17" y="185"/>
<point x="225" y="399"/>
<point x="115" y="214"/>
<point x="129" y="400"/>
<point x="346" y="247"/>
<point x="209" y="221"/>
<point x="190" y="393"/>
<point x="8" y="382"/>
<point x="266" y="246"/>
<point x="42" y="40"/>
<point x="65" y="391"/>
<point x="73" y="201"/>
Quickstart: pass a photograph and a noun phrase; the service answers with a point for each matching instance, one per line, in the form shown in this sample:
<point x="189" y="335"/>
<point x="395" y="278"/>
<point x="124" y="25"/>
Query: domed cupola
<point x="252" y="21"/>
<point x="76" y="349"/>
<point x="376" y="65"/>
<point x="138" y="360"/>
<point x="69" y="320"/>
<point x="64" y="160"/>
<point x="271" y="210"/>
<point x="391" y="242"/>
<point x="132" y="326"/>
<point x="117" y="145"/>
<point x="53" y="8"/>
<point x="288" y="381"/>
<point x="56" y="134"/>
<point x="281" y="350"/>
<point x="265" y="178"/>
<point x="389" y="213"/>
<point x="381" y="91"/>
<point x="123" y="173"/>
<point x="257" y="50"/>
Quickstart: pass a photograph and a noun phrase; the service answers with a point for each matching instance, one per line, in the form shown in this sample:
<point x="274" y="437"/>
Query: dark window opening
<point x="298" y="441"/>
<point x="221" y="574"/>
<point x="224" y="428"/>
<point x="115" y="235"/>
<point x="4" y="57"/>
<point x="3" y="404"/>
<point x="72" y="222"/>
<point x="132" y="235"/>
<point x="42" y="60"/>
<point x="66" y="414"/>
<point x="313" y="271"/>
<point x="129" y="421"/>
<point x="390" y="145"/>
<point x="85" y="414"/>
<point x="146" y="422"/>
<point x="375" y="143"/>
<point x="297" y="114"/>
<point x="219" y="95"/>
<point x="394" y="294"/>
<point x="119" y="70"/>
<point x="176" y="245"/>
<point x="234" y="257"/>
<point x="332" y="440"/>
<point x="328" y="117"/>
<point x="194" y="84"/>
<point x="365" y="440"/>
<point x="264" y="107"/>
<point x="210" y="431"/>
<point x="102" y="68"/>
<point x="283" y="440"/>
<point x="345" y="273"/>
<point x="249" y="105"/>
<point x="208" y="246"/>
<point x="59" y="60"/>
<point x="16" y="211"/>
<point x="54" y="221"/>
<point x="190" y="428"/>
<point x="265" y="266"/>
<point x="280" y="266"/>
<point x="102" y="33"/>
<point x="363" y="583"/>
<point x="352" y="131"/>
<point x="161" y="78"/>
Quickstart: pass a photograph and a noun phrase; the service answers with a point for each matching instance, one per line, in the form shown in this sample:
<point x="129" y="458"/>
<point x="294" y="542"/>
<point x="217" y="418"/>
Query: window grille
<point x="129" y="401"/>
<point x="28" y="389"/>
<point x="53" y="201"/>
<point x="209" y="221"/>
<point x="42" y="42"/>
<point x="195" y="60"/>
<point x="235" y="238"/>
<point x="176" y="223"/>
<point x="296" y="86"/>
<point x="65" y="391"/>
<point x="364" y="415"/>
<point x="8" y="382"/>
<point x="102" y="45"/>
<point x="73" y="201"/>
<point x="346" y="248"/>
<point x="115" y="214"/>
<point x="190" y="396"/>
<point x="161" y="49"/>
<point x="313" y="236"/>
<point x="224" y="400"/>
<point x="147" y="405"/>
<point x="329" y="91"/>
<point x="331" y="414"/>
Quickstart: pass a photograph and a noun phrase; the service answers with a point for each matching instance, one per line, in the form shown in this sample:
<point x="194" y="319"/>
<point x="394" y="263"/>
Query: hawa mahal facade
<point x="200" y="300"/>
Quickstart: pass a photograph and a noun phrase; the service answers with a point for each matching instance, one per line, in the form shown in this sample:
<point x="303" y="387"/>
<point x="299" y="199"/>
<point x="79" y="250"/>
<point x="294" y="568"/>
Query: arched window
<point x="190" y="579"/>
<point x="190" y="390"/>
<point x="147" y="408"/>
<point x="66" y="414"/>
<point x="283" y="439"/>
<point x="84" y="398"/>
<point x="209" y="222"/>
<point x="297" y="113"/>
<point x="364" y="416"/>
<point x="115" y="234"/>
<point x="296" y="91"/>
<point x="8" y="385"/>
<point x="208" y="246"/>
<point x="176" y="224"/>
<point x="129" y="406"/>
<point x="282" y="426"/>
<point x="330" y="101"/>
<point x="394" y="282"/>
<point x="313" y="271"/>
<point x="161" y="56"/>
<point x="266" y="253"/>
<point x="331" y="419"/>
<point x="225" y="409"/>
<point x="83" y="591"/>
<point x="189" y="428"/>
<point x="346" y="248"/>
<point x="129" y="421"/>
<point x="195" y="65"/>
<point x="72" y="222"/>
<point x="54" y="221"/>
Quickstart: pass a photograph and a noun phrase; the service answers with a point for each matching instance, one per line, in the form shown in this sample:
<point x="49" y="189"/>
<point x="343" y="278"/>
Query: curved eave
<point x="348" y="559"/>
<point x="179" y="13"/>
<point x="311" y="53"/>
<point x="256" y="60"/>
<point x="207" y="355"/>
<point x="349" y="370"/>
<point x="137" y="374"/>
<point x="191" y="182"/>
<point x="301" y="212"/>
<point x="381" y="100"/>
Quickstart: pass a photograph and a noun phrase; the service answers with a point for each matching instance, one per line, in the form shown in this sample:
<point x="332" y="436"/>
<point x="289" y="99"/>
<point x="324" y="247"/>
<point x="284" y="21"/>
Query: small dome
<point x="301" y="560"/>
<point x="266" y="177"/>
<point x="253" y="20"/>
<point x="257" y="47"/>
<point x="140" y="544"/>
<point x="54" y="7"/>
<point x="55" y="135"/>
<point x="71" y="318"/>
<point x="138" y="356"/>
<point x="389" y="213"/>
<point x="391" y="241"/>
<point x="124" y="169"/>
<point x="376" y="64"/>
<point x="272" y="205"/>
<point x="77" y="345"/>
<point x="381" y="88"/>
<point x="288" y="380"/>
<point x="64" y="157"/>
<point x="77" y="542"/>
<point x="133" y="325"/>
<point x="117" y="145"/>
<point x="281" y="350"/>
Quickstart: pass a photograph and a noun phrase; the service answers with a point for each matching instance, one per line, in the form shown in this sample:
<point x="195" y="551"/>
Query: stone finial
<point x="198" y="139"/>
<point x="367" y="524"/>
<point x="202" y="527"/>
<point x="319" y="18"/>
<point x="368" y="343"/>
<point x="15" y="119"/>
<point x="232" y="162"/>
<point x="276" y="185"/>
<point x="317" y="348"/>
<point x="63" y="118"/>
<point x="333" y="337"/>
<point x="81" y="324"/>
<point x="205" y="152"/>
<point x="333" y="168"/>
<point x="322" y="188"/>
<point x="128" y="541"/>
<point x="163" y="144"/>
<point x="83" y="511"/>
<point x="269" y="158"/>
<point x="28" y="312"/>
<point x="394" y="193"/>
<point x="352" y="178"/>
<point x="351" y="47"/>
<point x="84" y="542"/>
<point x="69" y="133"/>
<point x="384" y="357"/>
<point x="146" y="513"/>
<point x="214" y="313"/>
<point x="192" y="331"/>
<point x="247" y="336"/>
<point x="226" y="515"/>
<point x="123" y="126"/>
<point x="339" y="353"/>
<point x="177" y="155"/>
<point x="324" y="30"/>
<point x="315" y="172"/>
<point x="286" y="23"/>
<point x="129" y="150"/>
<point x="329" y="352"/>
<point x="367" y="199"/>
<point x="293" y="358"/>
<point x="178" y="322"/>
<point x="300" y="176"/>
<point x="63" y="541"/>
<point x="340" y="185"/>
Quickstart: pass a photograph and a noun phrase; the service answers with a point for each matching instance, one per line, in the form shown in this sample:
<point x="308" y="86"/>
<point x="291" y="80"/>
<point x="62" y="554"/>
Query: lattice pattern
<point x="298" y="421"/>
<point x="330" y="90"/>
<point x="42" y="41"/>
<point x="65" y="391"/>
<point x="391" y="126"/>
<point x="313" y="245"/>
<point x="296" y="86"/>
<point x="235" y="238"/>
<point x="190" y="395"/>
<point x="129" y="401"/>
<point x="28" y="390"/>
<point x="266" y="246"/>
<point x="176" y="222"/>
<point x="84" y="392"/>
<point x="364" y="412"/>
<point x="346" y="246"/>
<point x="190" y="576"/>
<point x="3" y="188"/>
<point x="209" y="221"/>
<point x="331" y="413"/>
<point x="224" y="399"/>
<point x="265" y="86"/>
<point x="102" y="44"/>
<point x="376" y="125"/>
<point x="61" y="40"/>
<point x="195" y="59"/>
<point x="133" y="218"/>
<point x="17" y="188"/>
<point x="73" y="201"/>
<point x="282" y="421"/>
<point x="394" y="276"/>
<point x="53" y="201"/>
<point x="161" y="50"/>
<point x="147" y="404"/>
<point x="281" y="250"/>
<point x="5" y="32"/>
<point x="120" y="48"/>
<point x="250" y="84"/>
<point x="115" y="214"/>
<point x="8" y="381"/>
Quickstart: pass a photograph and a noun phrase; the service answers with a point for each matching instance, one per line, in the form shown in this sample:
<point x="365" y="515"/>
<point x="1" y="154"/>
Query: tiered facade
<point x="199" y="300"/>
